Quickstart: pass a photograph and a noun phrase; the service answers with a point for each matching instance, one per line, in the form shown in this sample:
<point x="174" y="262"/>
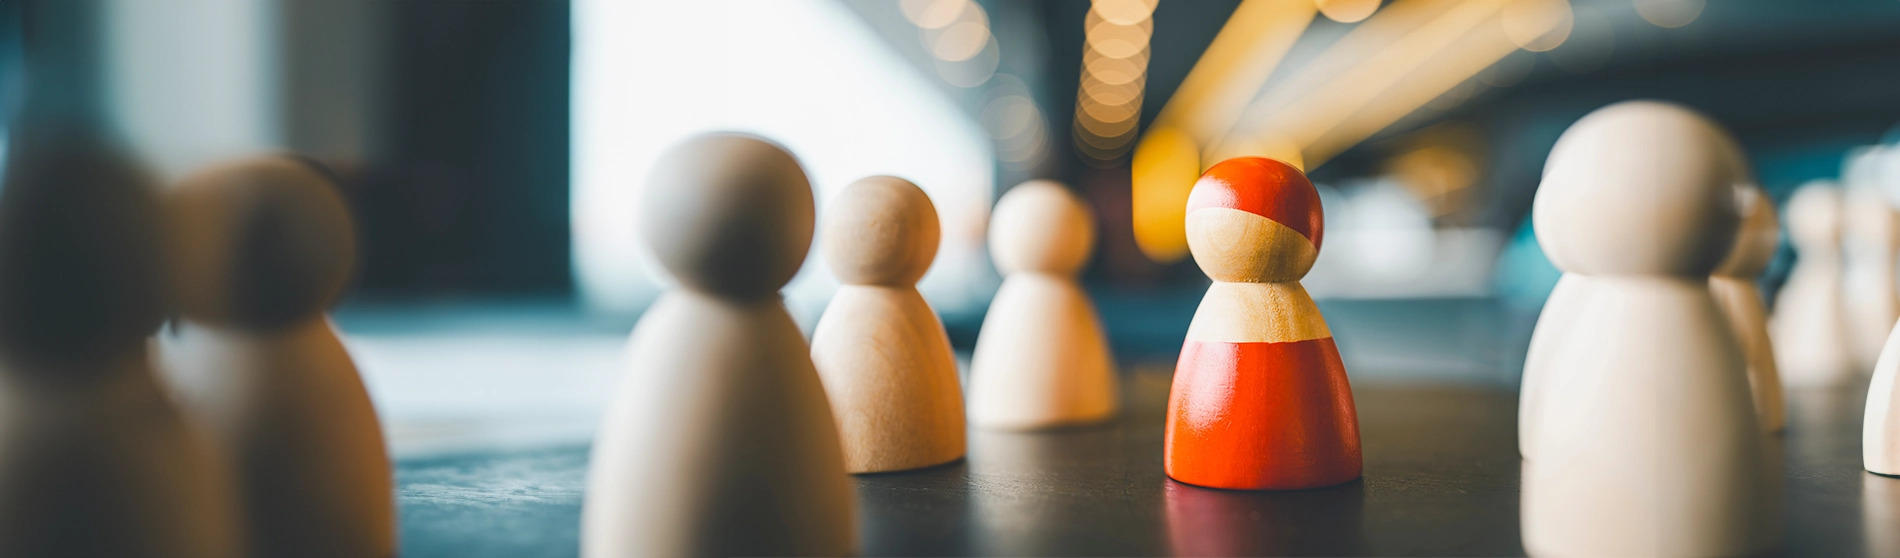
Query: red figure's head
<point x="1254" y="219"/>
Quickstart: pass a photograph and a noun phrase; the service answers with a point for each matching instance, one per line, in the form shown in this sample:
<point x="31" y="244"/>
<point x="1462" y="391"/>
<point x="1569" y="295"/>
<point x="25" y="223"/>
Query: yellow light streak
<point x="1347" y="11"/>
<point x="1313" y="115"/>
<point x="1453" y="67"/>
<point x="1229" y="73"/>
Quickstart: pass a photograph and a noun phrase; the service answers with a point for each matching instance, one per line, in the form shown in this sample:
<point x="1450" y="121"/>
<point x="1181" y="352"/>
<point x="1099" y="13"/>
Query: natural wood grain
<point x="1257" y="313"/>
<point x="880" y="350"/>
<point x="1238" y="246"/>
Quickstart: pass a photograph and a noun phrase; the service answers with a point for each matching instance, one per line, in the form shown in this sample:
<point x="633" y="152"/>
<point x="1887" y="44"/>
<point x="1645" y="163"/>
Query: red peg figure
<point x="1260" y="398"/>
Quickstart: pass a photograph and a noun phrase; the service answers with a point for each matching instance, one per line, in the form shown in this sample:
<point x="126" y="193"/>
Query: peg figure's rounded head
<point x="1254" y="220"/>
<point x="1640" y="188"/>
<point x="1040" y="226"/>
<point x="729" y="215"/>
<point x="82" y="265"/>
<point x="1814" y="216"/>
<point x="1755" y="242"/>
<point x="262" y="243"/>
<point x="881" y="230"/>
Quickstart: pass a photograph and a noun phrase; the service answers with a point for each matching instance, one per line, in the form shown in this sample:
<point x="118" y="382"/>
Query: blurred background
<point x="494" y="151"/>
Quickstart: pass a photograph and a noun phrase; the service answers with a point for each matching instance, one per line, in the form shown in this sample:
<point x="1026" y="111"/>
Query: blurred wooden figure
<point x="1870" y="243"/>
<point x="1736" y="290"/>
<point x="1260" y="397"/>
<point x="881" y="351"/>
<point x="720" y="440"/>
<point x="263" y="247"/>
<point x="1041" y="360"/>
<point x="1649" y="441"/>
<point x="1880" y="428"/>
<point x="1809" y="327"/>
<point x="95" y="460"/>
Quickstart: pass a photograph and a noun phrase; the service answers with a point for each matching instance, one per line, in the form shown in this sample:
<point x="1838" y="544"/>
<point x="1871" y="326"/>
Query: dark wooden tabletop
<point x="1441" y="479"/>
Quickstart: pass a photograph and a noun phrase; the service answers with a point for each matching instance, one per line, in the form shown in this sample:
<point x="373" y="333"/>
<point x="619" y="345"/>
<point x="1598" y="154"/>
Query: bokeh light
<point x="1670" y="13"/>
<point x="934" y="14"/>
<point x="1538" y="25"/>
<point x="1347" y="11"/>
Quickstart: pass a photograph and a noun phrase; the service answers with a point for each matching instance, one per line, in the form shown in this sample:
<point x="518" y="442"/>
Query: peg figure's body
<point x="1042" y="359"/>
<point x="883" y="355"/>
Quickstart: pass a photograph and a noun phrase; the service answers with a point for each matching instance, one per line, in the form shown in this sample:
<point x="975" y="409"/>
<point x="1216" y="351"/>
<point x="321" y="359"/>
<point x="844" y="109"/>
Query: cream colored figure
<point x="263" y="246"/>
<point x="879" y="348"/>
<point x="1570" y="294"/>
<point x="1735" y="288"/>
<point x="1870" y="242"/>
<point x="1041" y="360"/>
<point x="95" y="460"/>
<point x="1880" y="431"/>
<point x="720" y="441"/>
<point x="1649" y="441"/>
<point x="1809" y="325"/>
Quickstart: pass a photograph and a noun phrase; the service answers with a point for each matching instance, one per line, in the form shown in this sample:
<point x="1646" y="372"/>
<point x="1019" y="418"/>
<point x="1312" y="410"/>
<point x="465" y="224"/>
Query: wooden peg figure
<point x="720" y="441"/>
<point x="95" y="460"/>
<point x="1810" y="322"/>
<point x="1260" y="398"/>
<point x="1880" y="427"/>
<point x="1041" y="360"/>
<point x="1870" y="241"/>
<point x="263" y="247"/>
<point x="1649" y="444"/>
<point x="881" y="351"/>
<point x="1735" y="289"/>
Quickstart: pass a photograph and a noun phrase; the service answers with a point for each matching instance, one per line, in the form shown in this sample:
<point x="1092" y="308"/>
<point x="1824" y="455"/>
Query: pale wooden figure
<point x="1880" y="431"/>
<point x="95" y="460"/>
<point x="1041" y="359"/>
<point x="720" y="440"/>
<point x="881" y="351"/>
<point x="1809" y="326"/>
<point x="1735" y="288"/>
<point x="1649" y="443"/>
<point x="1870" y="242"/>
<point x="264" y="246"/>
<point x="1553" y="323"/>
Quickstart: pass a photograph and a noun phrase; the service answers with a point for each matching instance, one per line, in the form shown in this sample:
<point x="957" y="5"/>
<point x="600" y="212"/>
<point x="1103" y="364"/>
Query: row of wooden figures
<point x="1652" y="390"/>
<point x="242" y="428"/>
<point x="1832" y="318"/>
<point x="1649" y="394"/>
<point x="730" y="437"/>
